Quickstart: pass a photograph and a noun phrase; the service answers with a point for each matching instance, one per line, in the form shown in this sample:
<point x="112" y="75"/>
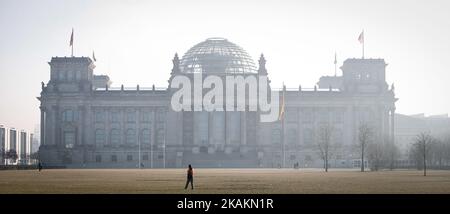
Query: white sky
<point x="134" y="42"/>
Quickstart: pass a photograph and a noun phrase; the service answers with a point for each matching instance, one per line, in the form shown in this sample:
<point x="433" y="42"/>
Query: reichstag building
<point x="87" y="123"/>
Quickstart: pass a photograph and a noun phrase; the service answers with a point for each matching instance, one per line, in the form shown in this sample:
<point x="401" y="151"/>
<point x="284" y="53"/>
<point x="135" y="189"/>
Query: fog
<point x="134" y="42"/>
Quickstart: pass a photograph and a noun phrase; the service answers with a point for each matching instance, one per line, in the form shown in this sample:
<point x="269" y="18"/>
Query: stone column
<point x="43" y="131"/>
<point x="180" y="122"/>
<point x="243" y="133"/>
<point x="80" y="125"/>
<point x="392" y="126"/>
<point x="299" y="128"/>
<point x="107" y="126"/>
<point x="227" y="129"/>
<point x="210" y="129"/>
<point x="382" y="125"/>
<point x="56" y="135"/>
<point x="138" y="131"/>
<point x="350" y="124"/>
<point x="153" y="137"/>
<point x="123" y="121"/>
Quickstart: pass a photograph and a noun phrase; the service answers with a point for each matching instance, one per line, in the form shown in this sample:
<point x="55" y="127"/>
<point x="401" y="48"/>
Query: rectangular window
<point x="145" y="157"/>
<point x="146" y="116"/>
<point x="115" y="116"/>
<point x="131" y="117"/>
<point x="129" y="157"/>
<point x="69" y="139"/>
<point x="99" y="116"/>
<point x="113" y="158"/>
<point x="98" y="158"/>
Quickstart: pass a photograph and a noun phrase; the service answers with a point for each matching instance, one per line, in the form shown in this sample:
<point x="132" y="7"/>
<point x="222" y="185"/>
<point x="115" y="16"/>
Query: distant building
<point x="13" y="140"/>
<point x="36" y="139"/>
<point x="84" y="124"/>
<point x="408" y="127"/>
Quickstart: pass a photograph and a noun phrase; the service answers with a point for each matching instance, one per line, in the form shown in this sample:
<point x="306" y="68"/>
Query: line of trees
<point x="379" y="153"/>
<point x="8" y="155"/>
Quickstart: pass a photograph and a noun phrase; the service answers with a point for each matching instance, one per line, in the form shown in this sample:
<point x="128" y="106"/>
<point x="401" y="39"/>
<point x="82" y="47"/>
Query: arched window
<point x="145" y="136"/>
<point x="115" y="136"/>
<point x="130" y="137"/>
<point x="99" y="136"/>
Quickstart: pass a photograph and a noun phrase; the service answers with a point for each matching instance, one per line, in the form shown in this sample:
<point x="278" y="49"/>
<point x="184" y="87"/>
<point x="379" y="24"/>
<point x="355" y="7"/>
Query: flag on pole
<point x="93" y="56"/>
<point x="335" y="58"/>
<point x="281" y="115"/>
<point x="71" y="38"/>
<point x="335" y="63"/>
<point x="361" y="37"/>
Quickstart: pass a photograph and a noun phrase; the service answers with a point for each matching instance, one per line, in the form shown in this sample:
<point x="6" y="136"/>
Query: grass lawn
<point x="253" y="181"/>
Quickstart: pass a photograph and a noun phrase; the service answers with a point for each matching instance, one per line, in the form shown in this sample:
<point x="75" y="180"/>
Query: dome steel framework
<point x="217" y="55"/>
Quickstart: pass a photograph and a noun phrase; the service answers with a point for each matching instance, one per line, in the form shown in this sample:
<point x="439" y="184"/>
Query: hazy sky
<point x="134" y="43"/>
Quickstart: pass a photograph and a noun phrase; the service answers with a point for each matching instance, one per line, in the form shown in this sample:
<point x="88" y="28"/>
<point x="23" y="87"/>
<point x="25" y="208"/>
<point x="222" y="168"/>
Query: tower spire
<point x="176" y="64"/>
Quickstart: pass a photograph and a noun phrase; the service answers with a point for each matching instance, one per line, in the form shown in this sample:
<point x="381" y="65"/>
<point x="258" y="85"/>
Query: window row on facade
<point x="128" y="136"/>
<point x="116" y="116"/>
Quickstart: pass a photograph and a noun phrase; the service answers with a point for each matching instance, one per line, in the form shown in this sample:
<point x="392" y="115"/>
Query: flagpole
<point x="139" y="153"/>
<point x="363" y="50"/>
<point x="335" y="62"/>
<point x="283" y="129"/>
<point x="363" y="44"/>
<point x="71" y="43"/>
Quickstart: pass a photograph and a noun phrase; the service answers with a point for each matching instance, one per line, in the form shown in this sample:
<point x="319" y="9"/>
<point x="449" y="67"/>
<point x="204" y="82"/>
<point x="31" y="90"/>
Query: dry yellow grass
<point x="219" y="181"/>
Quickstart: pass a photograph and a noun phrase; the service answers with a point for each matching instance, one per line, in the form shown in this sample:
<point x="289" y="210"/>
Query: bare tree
<point x="375" y="152"/>
<point x="422" y="144"/>
<point x="365" y="134"/>
<point x="2" y="156"/>
<point x="11" y="155"/>
<point x="390" y="153"/>
<point x="324" y="144"/>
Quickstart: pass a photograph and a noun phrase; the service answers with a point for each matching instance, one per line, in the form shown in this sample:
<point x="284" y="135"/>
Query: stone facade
<point x="87" y="126"/>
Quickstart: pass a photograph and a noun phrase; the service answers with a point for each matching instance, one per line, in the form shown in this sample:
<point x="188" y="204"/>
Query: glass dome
<point x="217" y="55"/>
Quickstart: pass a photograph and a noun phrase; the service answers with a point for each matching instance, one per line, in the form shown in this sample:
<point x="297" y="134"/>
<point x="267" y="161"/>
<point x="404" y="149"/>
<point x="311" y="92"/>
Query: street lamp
<point x="139" y="142"/>
<point x="164" y="151"/>
<point x="151" y="151"/>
